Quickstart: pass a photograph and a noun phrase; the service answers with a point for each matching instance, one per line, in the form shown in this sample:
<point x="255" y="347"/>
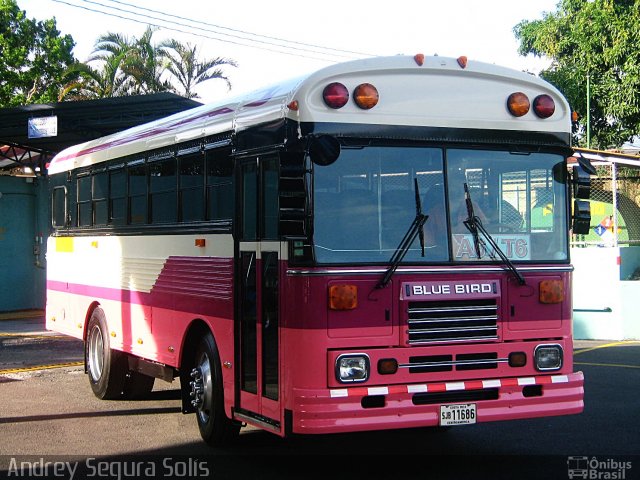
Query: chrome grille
<point x="446" y="363"/>
<point x="452" y="321"/>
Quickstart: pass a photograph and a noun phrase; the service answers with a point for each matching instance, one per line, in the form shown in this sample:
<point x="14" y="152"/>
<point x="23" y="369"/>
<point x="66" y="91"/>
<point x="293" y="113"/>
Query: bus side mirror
<point x="324" y="150"/>
<point x="581" y="180"/>
<point x="581" y="217"/>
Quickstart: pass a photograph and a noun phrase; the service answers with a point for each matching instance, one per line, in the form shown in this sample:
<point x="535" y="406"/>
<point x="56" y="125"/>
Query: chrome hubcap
<point x="202" y="388"/>
<point x="197" y="388"/>
<point x="95" y="356"/>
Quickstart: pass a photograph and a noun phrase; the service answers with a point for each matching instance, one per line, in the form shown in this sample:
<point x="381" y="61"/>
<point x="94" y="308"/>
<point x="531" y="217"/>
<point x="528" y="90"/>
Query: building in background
<point x="607" y="260"/>
<point x="30" y="136"/>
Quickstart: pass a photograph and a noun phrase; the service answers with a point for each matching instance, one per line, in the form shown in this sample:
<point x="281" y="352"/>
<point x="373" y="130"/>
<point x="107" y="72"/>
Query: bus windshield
<point x="365" y="202"/>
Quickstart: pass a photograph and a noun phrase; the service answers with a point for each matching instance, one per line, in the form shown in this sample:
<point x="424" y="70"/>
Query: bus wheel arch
<point x="202" y="387"/>
<point x="95" y="304"/>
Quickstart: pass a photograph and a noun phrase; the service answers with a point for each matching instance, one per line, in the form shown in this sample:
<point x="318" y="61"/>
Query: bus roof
<point x="413" y="91"/>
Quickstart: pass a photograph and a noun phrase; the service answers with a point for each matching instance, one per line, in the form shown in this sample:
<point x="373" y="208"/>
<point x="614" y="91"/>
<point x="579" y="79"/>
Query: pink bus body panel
<point x="153" y="326"/>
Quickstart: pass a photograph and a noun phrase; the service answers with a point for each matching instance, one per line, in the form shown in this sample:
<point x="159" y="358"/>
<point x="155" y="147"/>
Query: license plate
<point x="459" y="414"/>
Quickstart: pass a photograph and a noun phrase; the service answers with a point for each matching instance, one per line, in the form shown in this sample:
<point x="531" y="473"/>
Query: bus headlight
<point x="548" y="357"/>
<point x="353" y="367"/>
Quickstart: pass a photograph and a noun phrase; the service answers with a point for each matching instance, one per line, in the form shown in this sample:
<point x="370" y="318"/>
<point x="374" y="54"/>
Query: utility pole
<point x="588" y="111"/>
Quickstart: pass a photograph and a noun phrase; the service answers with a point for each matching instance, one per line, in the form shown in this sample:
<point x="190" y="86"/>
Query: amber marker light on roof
<point x="343" y="297"/>
<point x="366" y="96"/>
<point x="518" y="104"/>
<point x="462" y="61"/>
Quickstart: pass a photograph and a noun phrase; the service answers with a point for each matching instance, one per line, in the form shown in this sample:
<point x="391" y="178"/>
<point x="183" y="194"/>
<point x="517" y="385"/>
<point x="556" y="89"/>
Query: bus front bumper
<point x="361" y="408"/>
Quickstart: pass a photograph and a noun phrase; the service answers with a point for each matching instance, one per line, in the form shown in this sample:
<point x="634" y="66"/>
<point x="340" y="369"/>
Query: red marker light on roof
<point x="462" y="61"/>
<point x="544" y="106"/>
<point x="335" y="95"/>
<point x="366" y="96"/>
<point x="419" y="58"/>
<point x="518" y="104"/>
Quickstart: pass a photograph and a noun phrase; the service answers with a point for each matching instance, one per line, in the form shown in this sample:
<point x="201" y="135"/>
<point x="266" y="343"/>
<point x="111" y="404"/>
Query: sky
<point x="274" y="40"/>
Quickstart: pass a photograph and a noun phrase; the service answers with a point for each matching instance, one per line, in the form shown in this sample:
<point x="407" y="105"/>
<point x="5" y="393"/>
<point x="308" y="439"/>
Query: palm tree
<point x="86" y="83"/>
<point x="188" y="70"/>
<point x="145" y="65"/>
<point x="131" y="66"/>
<point x="135" y="66"/>
<point x="113" y="50"/>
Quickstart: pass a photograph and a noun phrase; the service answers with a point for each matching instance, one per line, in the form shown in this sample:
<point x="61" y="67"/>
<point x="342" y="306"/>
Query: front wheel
<point x="208" y="397"/>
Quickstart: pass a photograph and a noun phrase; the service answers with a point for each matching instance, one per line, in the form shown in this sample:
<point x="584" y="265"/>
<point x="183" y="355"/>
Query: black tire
<point x="107" y="368"/>
<point x="215" y="427"/>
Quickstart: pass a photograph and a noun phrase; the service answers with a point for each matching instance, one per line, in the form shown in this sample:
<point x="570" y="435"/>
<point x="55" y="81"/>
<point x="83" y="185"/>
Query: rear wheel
<point x="208" y="397"/>
<point x="107" y="368"/>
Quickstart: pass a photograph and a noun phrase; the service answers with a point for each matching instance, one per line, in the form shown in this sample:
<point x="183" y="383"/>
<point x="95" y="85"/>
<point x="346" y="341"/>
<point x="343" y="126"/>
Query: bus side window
<point x="85" y="214"/>
<point x="219" y="184"/>
<point x="99" y="194"/>
<point x="59" y="207"/>
<point x="162" y="190"/>
<point x="270" y="206"/>
<point x="249" y="209"/>
<point x="117" y="197"/>
<point x="137" y="193"/>
<point x="192" y="188"/>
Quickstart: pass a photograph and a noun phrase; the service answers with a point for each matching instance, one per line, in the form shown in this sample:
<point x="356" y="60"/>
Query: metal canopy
<point x="77" y="122"/>
<point x="604" y="157"/>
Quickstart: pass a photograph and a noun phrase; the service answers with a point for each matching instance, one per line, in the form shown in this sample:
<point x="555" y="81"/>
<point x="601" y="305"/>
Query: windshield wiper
<point x="415" y="230"/>
<point x="474" y="225"/>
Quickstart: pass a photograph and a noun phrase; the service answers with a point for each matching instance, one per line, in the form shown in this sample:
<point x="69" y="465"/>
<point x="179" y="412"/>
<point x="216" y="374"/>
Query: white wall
<point x="605" y="307"/>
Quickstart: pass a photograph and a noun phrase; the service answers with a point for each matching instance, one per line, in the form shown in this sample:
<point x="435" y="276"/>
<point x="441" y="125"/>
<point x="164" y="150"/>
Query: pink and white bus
<point x="378" y="245"/>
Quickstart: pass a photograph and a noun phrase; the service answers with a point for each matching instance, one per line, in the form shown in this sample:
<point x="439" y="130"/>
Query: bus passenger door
<point x="258" y="299"/>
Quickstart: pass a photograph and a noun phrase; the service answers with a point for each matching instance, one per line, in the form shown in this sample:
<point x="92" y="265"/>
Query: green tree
<point x="33" y="57"/>
<point x="599" y="40"/>
<point x="188" y="70"/>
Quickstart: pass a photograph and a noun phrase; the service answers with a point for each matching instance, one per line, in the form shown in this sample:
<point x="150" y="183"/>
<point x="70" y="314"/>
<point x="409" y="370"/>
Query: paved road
<point x="52" y="414"/>
<point x="25" y="343"/>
